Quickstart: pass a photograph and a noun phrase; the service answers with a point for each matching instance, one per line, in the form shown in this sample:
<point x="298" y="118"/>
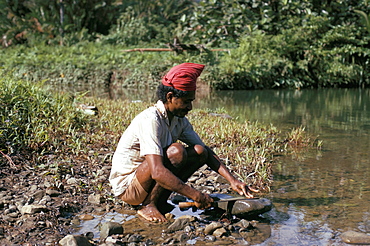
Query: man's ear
<point x="169" y="96"/>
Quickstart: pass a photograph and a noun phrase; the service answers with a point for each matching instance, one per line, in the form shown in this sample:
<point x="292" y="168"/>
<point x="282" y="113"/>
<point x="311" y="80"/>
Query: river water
<point x="317" y="194"/>
<point x="322" y="193"/>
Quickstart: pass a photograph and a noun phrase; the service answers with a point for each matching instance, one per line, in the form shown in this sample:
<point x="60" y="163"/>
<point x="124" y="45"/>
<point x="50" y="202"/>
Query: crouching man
<point x="149" y="163"/>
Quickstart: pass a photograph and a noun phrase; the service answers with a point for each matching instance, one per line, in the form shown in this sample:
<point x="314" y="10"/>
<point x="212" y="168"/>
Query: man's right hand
<point x="205" y="201"/>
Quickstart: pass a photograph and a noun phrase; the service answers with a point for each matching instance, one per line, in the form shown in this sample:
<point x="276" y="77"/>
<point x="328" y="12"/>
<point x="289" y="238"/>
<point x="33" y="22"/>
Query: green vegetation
<point x="35" y="119"/>
<point x="39" y="123"/>
<point x="272" y="44"/>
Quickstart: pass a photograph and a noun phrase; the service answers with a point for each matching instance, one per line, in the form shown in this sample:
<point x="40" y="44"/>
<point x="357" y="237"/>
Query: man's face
<point x="180" y="106"/>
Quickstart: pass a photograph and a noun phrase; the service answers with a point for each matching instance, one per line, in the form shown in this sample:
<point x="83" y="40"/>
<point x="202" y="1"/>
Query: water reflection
<point x="323" y="193"/>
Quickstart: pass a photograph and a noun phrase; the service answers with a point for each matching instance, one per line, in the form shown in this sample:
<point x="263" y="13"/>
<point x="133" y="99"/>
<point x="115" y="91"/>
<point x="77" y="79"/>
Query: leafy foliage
<point x="312" y="55"/>
<point x="39" y="20"/>
<point x="274" y="44"/>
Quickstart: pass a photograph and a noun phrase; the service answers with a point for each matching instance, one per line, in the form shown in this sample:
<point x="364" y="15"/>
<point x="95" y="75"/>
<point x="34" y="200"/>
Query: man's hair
<point x="162" y="91"/>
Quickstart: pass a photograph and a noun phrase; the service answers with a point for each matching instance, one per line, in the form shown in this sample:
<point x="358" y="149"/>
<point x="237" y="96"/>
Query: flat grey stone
<point x="244" y="208"/>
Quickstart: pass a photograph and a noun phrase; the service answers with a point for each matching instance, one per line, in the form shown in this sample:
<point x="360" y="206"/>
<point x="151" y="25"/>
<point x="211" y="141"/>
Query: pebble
<point x="86" y="217"/>
<point x="95" y="199"/>
<point x="73" y="240"/>
<point x="210" y="228"/>
<point x="178" y="224"/>
<point x="220" y="232"/>
<point x="353" y="237"/>
<point x="110" y="228"/>
<point x="32" y="209"/>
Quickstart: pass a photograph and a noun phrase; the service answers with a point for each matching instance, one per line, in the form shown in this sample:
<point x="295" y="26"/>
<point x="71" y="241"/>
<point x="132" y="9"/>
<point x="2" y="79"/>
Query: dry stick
<point x="11" y="163"/>
<point x="163" y="49"/>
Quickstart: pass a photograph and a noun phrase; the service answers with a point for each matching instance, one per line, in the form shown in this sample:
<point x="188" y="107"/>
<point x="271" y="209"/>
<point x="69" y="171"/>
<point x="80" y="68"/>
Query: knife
<point x="185" y="205"/>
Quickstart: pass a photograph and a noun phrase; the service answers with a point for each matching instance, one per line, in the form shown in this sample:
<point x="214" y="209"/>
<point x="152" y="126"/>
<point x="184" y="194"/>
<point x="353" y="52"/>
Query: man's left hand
<point x="243" y="189"/>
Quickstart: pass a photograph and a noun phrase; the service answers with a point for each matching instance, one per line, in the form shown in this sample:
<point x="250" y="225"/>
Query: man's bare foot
<point x="151" y="213"/>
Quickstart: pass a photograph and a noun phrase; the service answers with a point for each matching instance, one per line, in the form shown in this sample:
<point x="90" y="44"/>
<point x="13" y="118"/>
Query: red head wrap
<point x="183" y="77"/>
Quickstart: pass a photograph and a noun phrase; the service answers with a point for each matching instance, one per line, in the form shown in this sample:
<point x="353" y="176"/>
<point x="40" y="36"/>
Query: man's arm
<point x="166" y="179"/>
<point x="217" y="165"/>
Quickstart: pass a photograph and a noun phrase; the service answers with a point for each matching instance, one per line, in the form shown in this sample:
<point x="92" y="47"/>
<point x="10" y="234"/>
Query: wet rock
<point x="246" y="208"/>
<point x="256" y="232"/>
<point x="32" y="209"/>
<point x="169" y="216"/>
<point x="220" y="232"/>
<point x="182" y="238"/>
<point x="188" y="229"/>
<point x="73" y="240"/>
<point x="110" y="240"/>
<point x="110" y="228"/>
<point x="353" y="237"/>
<point x="170" y="241"/>
<point x="135" y="238"/>
<point x="210" y="228"/>
<point x="210" y="238"/>
<point x="89" y="235"/>
<point x="75" y="222"/>
<point x="199" y="231"/>
<point x="242" y="223"/>
<point x="178" y="224"/>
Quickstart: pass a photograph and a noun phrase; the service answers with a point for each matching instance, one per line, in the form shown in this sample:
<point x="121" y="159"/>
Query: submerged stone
<point x="110" y="228"/>
<point x="352" y="237"/>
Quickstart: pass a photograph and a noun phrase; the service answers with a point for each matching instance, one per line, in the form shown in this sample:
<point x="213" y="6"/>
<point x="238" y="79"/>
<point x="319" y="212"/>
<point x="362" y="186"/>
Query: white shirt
<point x="149" y="133"/>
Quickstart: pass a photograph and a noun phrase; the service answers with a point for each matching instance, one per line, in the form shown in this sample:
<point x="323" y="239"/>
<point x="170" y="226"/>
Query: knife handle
<point x="183" y="205"/>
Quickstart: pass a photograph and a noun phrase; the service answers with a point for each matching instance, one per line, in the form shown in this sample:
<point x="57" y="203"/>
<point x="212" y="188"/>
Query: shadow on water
<point x="309" y="202"/>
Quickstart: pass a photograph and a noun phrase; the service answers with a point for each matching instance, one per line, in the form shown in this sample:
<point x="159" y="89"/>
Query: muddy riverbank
<point x="40" y="206"/>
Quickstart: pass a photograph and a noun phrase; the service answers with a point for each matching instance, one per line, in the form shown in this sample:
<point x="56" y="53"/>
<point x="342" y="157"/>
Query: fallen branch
<point x="148" y="49"/>
<point x="163" y="49"/>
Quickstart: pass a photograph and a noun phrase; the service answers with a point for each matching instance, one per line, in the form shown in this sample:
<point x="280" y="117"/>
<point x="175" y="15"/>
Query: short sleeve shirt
<point x="149" y="133"/>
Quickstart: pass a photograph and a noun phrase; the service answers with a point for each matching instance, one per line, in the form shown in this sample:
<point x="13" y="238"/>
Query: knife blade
<point x="185" y="205"/>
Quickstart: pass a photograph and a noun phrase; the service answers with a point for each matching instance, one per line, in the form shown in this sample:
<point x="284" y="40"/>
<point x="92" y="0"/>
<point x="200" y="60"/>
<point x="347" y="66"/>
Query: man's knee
<point x="176" y="153"/>
<point x="201" y="152"/>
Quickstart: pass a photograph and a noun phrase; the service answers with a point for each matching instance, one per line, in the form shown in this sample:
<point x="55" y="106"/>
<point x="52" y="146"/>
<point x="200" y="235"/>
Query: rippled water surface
<point x="319" y="194"/>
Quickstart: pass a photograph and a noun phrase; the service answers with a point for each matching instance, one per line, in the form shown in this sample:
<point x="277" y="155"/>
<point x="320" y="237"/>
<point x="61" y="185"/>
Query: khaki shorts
<point x="134" y="194"/>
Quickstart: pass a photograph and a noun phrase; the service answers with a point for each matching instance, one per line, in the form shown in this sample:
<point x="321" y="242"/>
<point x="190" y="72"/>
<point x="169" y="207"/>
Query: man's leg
<point x="180" y="161"/>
